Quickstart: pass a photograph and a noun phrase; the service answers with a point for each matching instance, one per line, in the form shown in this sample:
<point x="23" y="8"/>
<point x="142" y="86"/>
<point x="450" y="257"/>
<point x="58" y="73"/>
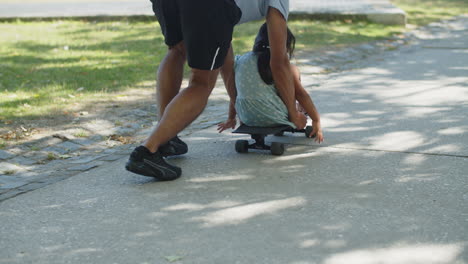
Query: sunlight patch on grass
<point x="317" y="34"/>
<point x="423" y="12"/>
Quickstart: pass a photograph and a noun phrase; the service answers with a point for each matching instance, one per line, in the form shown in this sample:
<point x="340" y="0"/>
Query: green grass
<point x="51" y="156"/>
<point x="422" y="12"/>
<point x="81" y="134"/>
<point x="47" y="67"/>
<point x="35" y="148"/>
<point x="318" y="34"/>
<point x="50" y="67"/>
<point x="3" y="144"/>
<point x="54" y="1"/>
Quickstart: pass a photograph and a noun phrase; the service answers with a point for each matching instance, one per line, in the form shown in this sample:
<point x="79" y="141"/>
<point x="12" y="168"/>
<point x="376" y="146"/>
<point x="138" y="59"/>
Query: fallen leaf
<point x="173" y="258"/>
<point x="121" y="139"/>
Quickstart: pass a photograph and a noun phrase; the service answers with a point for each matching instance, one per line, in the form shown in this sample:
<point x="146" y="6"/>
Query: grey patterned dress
<point x="257" y="103"/>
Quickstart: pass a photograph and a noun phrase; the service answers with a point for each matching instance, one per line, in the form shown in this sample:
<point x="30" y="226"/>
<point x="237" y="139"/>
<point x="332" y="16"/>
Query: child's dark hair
<point x="262" y="50"/>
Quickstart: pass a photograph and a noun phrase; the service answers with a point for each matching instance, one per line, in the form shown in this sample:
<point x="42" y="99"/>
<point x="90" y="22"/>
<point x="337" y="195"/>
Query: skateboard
<point x="258" y="134"/>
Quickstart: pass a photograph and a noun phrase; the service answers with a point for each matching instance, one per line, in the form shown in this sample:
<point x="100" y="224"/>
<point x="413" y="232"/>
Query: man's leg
<point x="147" y="160"/>
<point x="169" y="80"/>
<point x="169" y="76"/>
<point x="183" y="109"/>
<point x="205" y="52"/>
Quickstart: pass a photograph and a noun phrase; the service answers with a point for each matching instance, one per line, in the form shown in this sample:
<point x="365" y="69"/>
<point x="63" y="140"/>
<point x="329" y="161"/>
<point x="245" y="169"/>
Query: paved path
<point x="388" y="186"/>
<point x="377" y="10"/>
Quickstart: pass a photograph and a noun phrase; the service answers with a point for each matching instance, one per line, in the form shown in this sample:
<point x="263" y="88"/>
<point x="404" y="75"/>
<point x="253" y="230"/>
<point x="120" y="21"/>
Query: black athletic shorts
<point x="205" y="27"/>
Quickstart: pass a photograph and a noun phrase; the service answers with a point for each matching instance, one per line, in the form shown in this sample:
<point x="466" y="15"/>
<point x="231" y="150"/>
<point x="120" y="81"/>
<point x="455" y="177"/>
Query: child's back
<point x="257" y="103"/>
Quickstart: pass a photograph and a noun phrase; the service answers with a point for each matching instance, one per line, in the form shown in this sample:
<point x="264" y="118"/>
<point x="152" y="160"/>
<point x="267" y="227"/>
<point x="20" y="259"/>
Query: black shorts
<point x="204" y="26"/>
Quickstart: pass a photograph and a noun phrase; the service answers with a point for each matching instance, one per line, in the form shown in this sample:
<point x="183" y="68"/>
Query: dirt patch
<point x="134" y="106"/>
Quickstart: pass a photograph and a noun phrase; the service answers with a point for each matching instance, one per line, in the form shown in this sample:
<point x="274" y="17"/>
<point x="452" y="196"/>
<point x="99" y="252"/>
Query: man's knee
<point x="179" y="49"/>
<point x="204" y="79"/>
<point x="205" y="76"/>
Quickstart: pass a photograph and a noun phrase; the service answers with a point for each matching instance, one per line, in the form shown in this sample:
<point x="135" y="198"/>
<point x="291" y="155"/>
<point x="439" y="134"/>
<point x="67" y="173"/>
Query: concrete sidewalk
<point x="388" y="186"/>
<point x="381" y="11"/>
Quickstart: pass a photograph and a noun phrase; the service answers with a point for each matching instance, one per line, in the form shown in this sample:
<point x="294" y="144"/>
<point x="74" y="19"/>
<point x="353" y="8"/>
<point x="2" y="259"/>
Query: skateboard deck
<point x="244" y="129"/>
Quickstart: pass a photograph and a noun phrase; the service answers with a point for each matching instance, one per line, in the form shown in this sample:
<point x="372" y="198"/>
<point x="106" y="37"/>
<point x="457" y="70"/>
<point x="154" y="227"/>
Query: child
<point x="257" y="101"/>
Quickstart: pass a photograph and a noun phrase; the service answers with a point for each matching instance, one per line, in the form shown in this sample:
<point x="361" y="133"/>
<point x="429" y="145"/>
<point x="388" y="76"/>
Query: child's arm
<point x="227" y="72"/>
<point x="306" y="102"/>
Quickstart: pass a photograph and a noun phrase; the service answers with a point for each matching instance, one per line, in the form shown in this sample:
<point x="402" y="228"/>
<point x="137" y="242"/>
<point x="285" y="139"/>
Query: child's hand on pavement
<point x="230" y="123"/>
<point x="317" y="131"/>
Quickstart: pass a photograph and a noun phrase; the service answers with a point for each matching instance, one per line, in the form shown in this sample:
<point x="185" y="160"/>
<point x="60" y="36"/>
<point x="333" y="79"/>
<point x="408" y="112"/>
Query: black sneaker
<point x="145" y="163"/>
<point x="175" y="146"/>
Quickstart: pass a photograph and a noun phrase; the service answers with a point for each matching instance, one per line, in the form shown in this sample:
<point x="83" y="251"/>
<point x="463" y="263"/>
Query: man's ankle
<point x="151" y="148"/>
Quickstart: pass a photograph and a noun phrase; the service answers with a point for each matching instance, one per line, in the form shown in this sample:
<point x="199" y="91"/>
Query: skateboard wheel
<point x="308" y="130"/>
<point x="277" y="148"/>
<point x="242" y="146"/>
